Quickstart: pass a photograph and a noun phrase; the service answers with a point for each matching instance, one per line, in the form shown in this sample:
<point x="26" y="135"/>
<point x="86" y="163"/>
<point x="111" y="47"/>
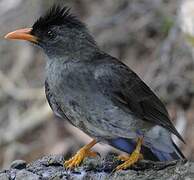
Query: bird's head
<point x="58" y="32"/>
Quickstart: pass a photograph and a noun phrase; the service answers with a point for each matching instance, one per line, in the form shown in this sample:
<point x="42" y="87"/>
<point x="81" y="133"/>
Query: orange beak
<point x="22" y="34"/>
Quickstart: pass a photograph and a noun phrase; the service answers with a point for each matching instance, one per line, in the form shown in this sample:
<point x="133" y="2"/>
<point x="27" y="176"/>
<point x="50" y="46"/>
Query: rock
<point x="51" y="168"/>
<point x="4" y="176"/>
<point x="18" y="164"/>
<point x="26" y="175"/>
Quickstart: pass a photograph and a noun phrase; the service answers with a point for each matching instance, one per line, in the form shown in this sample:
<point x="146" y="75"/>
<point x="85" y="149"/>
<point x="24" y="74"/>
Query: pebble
<point x="18" y="164"/>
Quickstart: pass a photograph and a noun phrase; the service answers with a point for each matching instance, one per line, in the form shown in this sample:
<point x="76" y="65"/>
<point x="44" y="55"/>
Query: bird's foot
<point x="78" y="158"/>
<point x="132" y="159"/>
<point x="125" y="157"/>
<point x="129" y="160"/>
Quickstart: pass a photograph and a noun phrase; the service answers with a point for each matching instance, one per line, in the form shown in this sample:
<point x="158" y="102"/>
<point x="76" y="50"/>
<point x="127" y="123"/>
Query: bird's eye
<point x="50" y="34"/>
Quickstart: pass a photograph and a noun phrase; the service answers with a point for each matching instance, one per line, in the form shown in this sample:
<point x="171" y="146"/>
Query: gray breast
<point x="52" y="102"/>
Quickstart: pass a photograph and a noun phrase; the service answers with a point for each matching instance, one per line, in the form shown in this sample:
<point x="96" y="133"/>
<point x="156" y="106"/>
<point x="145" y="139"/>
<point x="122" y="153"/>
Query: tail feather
<point x="162" y="156"/>
<point x="178" y="151"/>
<point x="165" y="156"/>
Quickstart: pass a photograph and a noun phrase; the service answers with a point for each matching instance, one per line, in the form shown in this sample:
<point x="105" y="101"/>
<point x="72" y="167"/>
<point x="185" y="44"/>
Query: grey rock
<point x="26" y="175"/>
<point x="51" y="168"/>
<point x="18" y="164"/>
<point x="4" y="176"/>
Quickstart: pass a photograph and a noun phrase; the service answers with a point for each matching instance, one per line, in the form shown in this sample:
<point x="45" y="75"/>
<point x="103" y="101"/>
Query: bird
<point x="98" y="93"/>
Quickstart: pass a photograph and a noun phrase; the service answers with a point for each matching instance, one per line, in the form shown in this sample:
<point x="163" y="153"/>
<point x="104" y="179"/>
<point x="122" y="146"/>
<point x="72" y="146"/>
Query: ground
<point x="51" y="167"/>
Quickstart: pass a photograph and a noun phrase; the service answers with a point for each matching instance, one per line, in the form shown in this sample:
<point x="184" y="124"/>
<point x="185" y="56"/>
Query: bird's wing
<point x="124" y="87"/>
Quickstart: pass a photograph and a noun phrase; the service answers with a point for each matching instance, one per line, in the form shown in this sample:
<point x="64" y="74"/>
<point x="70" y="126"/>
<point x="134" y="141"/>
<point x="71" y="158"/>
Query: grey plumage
<point x="105" y="94"/>
<point x="95" y="91"/>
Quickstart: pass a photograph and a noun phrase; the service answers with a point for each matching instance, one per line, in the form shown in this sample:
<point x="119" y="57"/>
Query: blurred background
<point x="153" y="37"/>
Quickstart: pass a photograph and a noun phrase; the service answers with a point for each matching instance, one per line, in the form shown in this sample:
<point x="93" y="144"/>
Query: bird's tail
<point x="160" y="142"/>
<point x="161" y="155"/>
<point x="149" y="152"/>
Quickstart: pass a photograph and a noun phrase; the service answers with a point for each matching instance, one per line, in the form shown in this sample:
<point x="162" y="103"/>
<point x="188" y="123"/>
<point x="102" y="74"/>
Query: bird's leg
<point x="133" y="158"/>
<point x="84" y="152"/>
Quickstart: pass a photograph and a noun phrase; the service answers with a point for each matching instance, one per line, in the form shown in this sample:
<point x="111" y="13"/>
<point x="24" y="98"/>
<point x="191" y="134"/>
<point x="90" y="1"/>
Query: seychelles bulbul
<point x="99" y="94"/>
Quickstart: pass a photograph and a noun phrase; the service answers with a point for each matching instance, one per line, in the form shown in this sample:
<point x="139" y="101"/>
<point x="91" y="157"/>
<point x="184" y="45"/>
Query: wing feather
<point x="123" y="86"/>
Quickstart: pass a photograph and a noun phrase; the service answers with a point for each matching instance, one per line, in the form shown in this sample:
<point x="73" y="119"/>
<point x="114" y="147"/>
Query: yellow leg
<point x="125" y="157"/>
<point x="84" y="152"/>
<point x="133" y="158"/>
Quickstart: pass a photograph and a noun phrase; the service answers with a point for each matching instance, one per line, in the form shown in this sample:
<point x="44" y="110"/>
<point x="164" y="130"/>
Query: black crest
<point x="57" y="16"/>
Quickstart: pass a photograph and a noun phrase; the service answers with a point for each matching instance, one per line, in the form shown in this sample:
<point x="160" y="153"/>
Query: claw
<point x="132" y="159"/>
<point x="78" y="158"/>
<point x="123" y="157"/>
